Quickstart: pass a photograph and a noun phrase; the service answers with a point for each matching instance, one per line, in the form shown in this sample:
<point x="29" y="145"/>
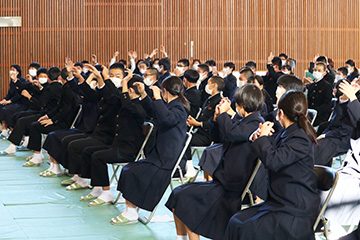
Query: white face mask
<point x="318" y="76"/>
<point x="156" y="66"/>
<point x="202" y="76"/>
<point x="180" y="69"/>
<point x="208" y="90"/>
<point x="226" y="71"/>
<point x="147" y="81"/>
<point x="286" y="72"/>
<point x="116" y="81"/>
<point x="32" y="72"/>
<point x="85" y="70"/>
<point x="338" y="78"/>
<point x="142" y="71"/>
<point x="222" y="74"/>
<point x="283" y="62"/>
<point x="43" y="80"/>
<point x="195" y="66"/>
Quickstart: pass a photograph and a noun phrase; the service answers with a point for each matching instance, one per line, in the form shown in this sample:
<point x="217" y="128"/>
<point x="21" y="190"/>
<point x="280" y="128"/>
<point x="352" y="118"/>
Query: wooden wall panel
<point x="220" y="29"/>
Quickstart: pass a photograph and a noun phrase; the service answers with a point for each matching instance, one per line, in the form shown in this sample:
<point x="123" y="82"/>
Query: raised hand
<point x="163" y="51"/>
<point x="348" y="90"/>
<point x="270" y="57"/>
<point x="154" y="52"/>
<point x="94" y="59"/>
<point x="156" y="92"/>
<point x="266" y="129"/>
<point x="141" y="88"/>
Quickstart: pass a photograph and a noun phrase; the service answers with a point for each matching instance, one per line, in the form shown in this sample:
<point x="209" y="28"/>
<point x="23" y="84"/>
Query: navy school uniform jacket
<point x="354" y="114"/>
<point x="290" y="161"/>
<point x="193" y="95"/>
<point x="202" y="86"/>
<point x="14" y="92"/>
<point x="46" y="99"/>
<point x="270" y="81"/>
<point x="230" y="86"/>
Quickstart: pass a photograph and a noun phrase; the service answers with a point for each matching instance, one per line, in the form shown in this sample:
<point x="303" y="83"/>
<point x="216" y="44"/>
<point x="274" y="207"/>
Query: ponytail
<point x="305" y="124"/>
<point x="175" y="87"/>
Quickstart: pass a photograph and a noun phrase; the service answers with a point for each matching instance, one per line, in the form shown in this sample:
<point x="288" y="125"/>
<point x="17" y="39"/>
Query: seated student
<point x="202" y="135"/>
<point x="215" y="202"/>
<point x="245" y="74"/>
<point x="341" y="74"/>
<point x="252" y="66"/>
<point x="273" y="66"/>
<point x="44" y="95"/>
<point x="13" y="101"/>
<point x="191" y="93"/>
<point x="329" y="76"/>
<point x="195" y="64"/>
<point x="286" y="69"/>
<point x="229" y="79"/>
<point x="164" y="69"/>
<point x="212" y="67"/>
<point x="127" y="143"/>
<point x="353" y="72"/>
<point x="259" y="82"/>
<point x="151" y="77"/>
<point x="320" y="94"/>
<point x="59" y="118"/>
<point x="204" y="76"/>
<point x="181" y="66"/>
<point x="144" y="182"/>
<point x="84" y="125"/>
<point x="80" y="148"/>
<point x="335" y="134"/>
<point x="293" y="202"/>
<point x="32" y="71"/>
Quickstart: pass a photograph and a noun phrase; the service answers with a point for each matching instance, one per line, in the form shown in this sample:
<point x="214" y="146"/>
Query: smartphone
<point x="309" y="75"/>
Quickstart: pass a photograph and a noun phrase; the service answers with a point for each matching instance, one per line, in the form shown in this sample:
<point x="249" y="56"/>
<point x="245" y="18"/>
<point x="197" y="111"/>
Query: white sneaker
<point x="190" y="170"/>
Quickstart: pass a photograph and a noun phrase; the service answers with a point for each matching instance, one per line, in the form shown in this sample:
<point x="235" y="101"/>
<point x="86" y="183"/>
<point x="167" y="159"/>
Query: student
<point x="144" y="182"/>
<point x="45" y="97"/>
<point x="191" y="93"/>
<point x="286" y="69"/>
<point x="283" y="58"/>
<point x="259" y="82"/>
<point x="352" y="70"/>
<point x="245" y="74"/>
<point x="203" y="71"/>
<point x="181" y="66"/>
<point x="251" y="65"/>
<point x="273" y="66"/>
<point x="341" y="74"/>
<point x="329" y="76"/>
<point x="229" y="79"/>
<point x="151" y="77"/>
<point x="320" y="94"/>
<point x="293" y="202"/>
<point x="202" y="135"/>
<point x="195" y="64"/>
<point x="59" y="118"/>
<point x="215" y="202"/>
<point x="127" y="142"/>
<point x="13" y="101"/>
<point x="212" y="67"/>
<point x="165" y="66"/>
<point x="32" y="71"/>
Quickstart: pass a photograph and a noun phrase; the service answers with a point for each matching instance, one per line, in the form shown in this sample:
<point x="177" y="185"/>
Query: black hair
<point x="287" y="67"/>
<point x="165" y="63"/>
<point x="249" y="97"/>
<point x="64" y="73"/>
<point x="175" y="87"/>
<point x="257" y="78"/>
<point x="247" y="72"/>
<point x="295" y="106"/>
<point x="191" y="75"/>
<point x="230" y="65"/>
<point x="35" y="65"/>
<point x="204" y="67"/>
<point x="78" y="64"/>
<point x="18" y="69"/>
<point x="352" y="63"/>
<point x="41" y="70"/>
<point x="250" y="64"/>
<point x="132" y="81"/>
<point x="196" y="60"/>
<point x="153" y="71"/>
<point x="210" y="63"/>
<point x="85" y="62"/>
<point x="276" y="61"/>
<point x="283" y="55"/>
<point x="123" y="62"/>
<point x="54" y="73"/>
<point x="184" y="61"/>
<point x="219" y="81"/>
<point x="117" y="66"/>
<point x="290" y="82"/>
<point x="322" y="59"/>
<point x="321" y="64"/>
<point x="343" y="70"/>
<point x="337" y="87"/>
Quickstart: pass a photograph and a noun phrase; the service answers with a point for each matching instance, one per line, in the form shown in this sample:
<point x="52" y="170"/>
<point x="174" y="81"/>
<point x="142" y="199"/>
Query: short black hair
<point x="132" y="81"/>
<point x="283" y="55"/>
<point x="191" y="75"/>
<point x="287" y="67"/>
<point x="210" y="63"/>
<point x="85" y="62"/>
<point x="204" y="67"/>
<point x="276" y="61"/>
<point x="123" y="61"/>
<point x="247" y="72"/>
<point x="78" y="64"/>
<point x="184" y="61"/>
<point x="350" y="62"/>
<point x="230" y="65"/>
<point x="54" y="73"/>
<point x="219" y="81"/>
<point x="165" y="63"/>
<point x="64" y="73"/>
<point x="35" y="65"/>
<point x="18" y="68"/>
<point x="322" y="59"/>
<point x="257" y="78"/>
<point x="290" y="82"/>
<point x="153" y="71"/>
<point x="41" y="70"/>
<point x="249" y="97"/>
<point x="250" y="64"/>
<point x="117" y="66"/>
<point x="343" y="70"/>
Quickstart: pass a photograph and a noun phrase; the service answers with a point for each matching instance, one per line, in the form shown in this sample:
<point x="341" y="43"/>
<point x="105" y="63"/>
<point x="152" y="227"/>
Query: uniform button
<point x="117" y="115"/>
<point x="116" y="134"/>
<point x="117" y="125"/>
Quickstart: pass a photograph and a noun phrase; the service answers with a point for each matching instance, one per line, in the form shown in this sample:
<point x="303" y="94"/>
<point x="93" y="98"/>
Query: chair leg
<point x="117" y="198"/>
<point x="326" y="228"/>
<point x="114" y="175"/>
<point x="145" y="220"/>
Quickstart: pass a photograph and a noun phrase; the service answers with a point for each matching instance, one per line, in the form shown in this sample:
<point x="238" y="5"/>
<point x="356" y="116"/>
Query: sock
<point x="181" y="237"/>
<point x="107" y="196"/>
<point x="25" y="142"/>
<point x="190" y="170"/>
<point x="37" y="158"/>
<point x="5" y="132"/>
<point x="11" y="149"/>
<point x="56" y="168"/>
<point x="75" y="177"/>
<point x="83" y="182"/>
<point x="96" y="191"/>
<point x="131" y="213"/>
<point x="51" y="167"/>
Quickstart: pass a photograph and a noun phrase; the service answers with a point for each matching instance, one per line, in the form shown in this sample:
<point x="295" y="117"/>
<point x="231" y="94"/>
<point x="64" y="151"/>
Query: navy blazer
<point x="354" y="114"/>
<point x="290" y="161"/>
<point x="14" y="92"/>
<point x="170" y="120"/>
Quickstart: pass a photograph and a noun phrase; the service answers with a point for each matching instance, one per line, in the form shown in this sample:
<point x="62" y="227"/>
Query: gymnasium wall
<point x="221" y="29"/>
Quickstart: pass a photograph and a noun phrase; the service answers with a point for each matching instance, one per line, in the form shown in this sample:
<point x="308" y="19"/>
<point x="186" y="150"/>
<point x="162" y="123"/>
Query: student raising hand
<point x="141" y="88"/>
<point x="156" y="92"/>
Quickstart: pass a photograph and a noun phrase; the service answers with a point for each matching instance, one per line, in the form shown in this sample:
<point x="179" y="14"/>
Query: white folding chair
<point x="327" y="179"/>
<point x="311" y="114"/>
<point x="191" y="130"/>
<point x="146" y="220"/>
<point x="76" y="117"/>
<point x="251" y="179"/>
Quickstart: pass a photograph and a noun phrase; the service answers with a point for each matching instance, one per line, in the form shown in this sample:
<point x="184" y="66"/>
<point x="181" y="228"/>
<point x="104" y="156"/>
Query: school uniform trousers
<point x="215" y="202"/>
<point x="293" y="203"/>
<point x="144" y="182"/>
<point x="81" y="149"/>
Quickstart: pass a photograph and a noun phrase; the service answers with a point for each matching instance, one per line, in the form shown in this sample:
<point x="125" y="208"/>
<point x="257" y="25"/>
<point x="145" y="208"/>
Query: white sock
<point x="131" y="213"/>
<point x="75" y="177"/>
<point x="37" y="158"/>
<point x="5" y="132"/>
<point x="189" y="165"/>
<point x="56" y="168"/>
<point x="11" y="149"/>
<point x="51" y="167"/>
<point x="25" y="142"/>
<point x="83" y="182"/>
<point x="107" y="196"/>
<point x="96" y="191"/>
<point x="181" y="237"/>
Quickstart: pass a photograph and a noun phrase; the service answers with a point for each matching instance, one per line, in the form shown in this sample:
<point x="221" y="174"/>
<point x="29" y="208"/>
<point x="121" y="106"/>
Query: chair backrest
<point x="76" y="117"/>
<point x="251" y="179"/>
<point x="197" y="115"/>
<point x="186" y="144"/>
<point x="311" y="114"/>
<point x="326" y="180"/>
<point x="148" y="127"/>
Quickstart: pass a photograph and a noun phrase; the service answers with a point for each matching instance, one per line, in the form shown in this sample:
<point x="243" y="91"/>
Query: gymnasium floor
<point x="33" y="207"/>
